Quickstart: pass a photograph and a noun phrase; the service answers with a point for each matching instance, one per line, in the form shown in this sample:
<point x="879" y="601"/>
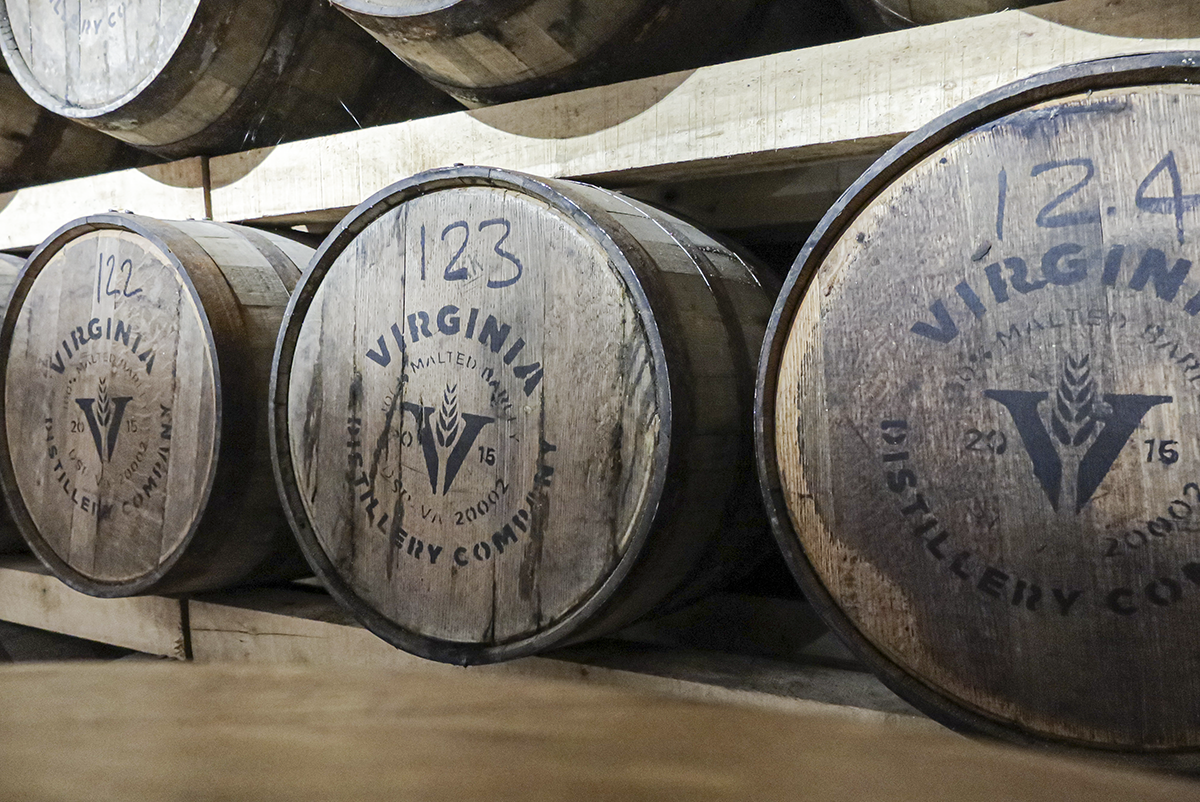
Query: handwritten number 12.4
<point x="1175" y="204"/>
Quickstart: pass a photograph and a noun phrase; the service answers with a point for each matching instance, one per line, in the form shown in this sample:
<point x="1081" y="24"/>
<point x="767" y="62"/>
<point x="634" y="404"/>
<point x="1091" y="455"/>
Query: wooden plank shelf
<point x="832" y="102"/>
<point x="768" y="142"/>
<point x="31" y="597"/>
<point x="303" y="625"/>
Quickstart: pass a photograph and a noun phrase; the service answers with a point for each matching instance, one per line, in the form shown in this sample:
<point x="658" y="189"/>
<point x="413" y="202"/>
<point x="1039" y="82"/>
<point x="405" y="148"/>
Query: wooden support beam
<point x="174" y="191"/>
<point x="834" y="101"/>
<point x="30" y="596"/>
<point x="298" y="627"/>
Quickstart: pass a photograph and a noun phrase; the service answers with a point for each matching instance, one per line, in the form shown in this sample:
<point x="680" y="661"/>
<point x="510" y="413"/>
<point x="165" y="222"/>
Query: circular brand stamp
<point x="110" y="404"/>
<point x="468" y="414"/>
<point x="985" y="416"/>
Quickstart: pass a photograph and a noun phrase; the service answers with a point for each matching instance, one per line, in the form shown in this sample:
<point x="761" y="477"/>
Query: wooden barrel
<point x="496" y="51"/>
<point x="38" y="147"/>
<point x="977" y="407"/>
<point x="512" y="413"/>
<point x="134" y="365"/>
<point x="207" y="76"/>
<point x="10" y="266"/>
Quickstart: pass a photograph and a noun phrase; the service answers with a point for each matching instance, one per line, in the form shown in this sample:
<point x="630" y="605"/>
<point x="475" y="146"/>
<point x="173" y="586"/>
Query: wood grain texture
<point x="10" y="266"/>
<point x="205" y="76"/>
<point x="891" y="14"/>
<point x="281" y="626"/>
<point x="137" y="360"/>
<point x="848" y="99"/>
<point x="175" y="190"/>
<point x="488" y="53"/>
<point x="980" y="435"/>
<point x="37" y="146"/>
<point x="29" y="595"/>
<point x="488" y="390"/>
<point x="168" y="731"/>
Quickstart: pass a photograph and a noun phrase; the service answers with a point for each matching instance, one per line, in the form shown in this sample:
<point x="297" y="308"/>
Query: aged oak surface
<point x="135" y="369"/>
<point x="206" y="76"/>
<point x="37" y="146"/>
<point x="490" y="387"/>
<point x="978" y="411"/>
<point x="902" y="13"/>
<point x="10" y="266"/>
<point x="494" y="52"/>
<point x="171" y="731"/>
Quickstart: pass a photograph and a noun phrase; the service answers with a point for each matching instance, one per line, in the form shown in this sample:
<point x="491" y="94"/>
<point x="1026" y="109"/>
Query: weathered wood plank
<point x="830" y="101"/>
<point x="175" y="191"/>
<point x="976" y="378"/>
<point x="153" y="731"/>
<point x="30" y="596"/>
<point x="282" y="626"/>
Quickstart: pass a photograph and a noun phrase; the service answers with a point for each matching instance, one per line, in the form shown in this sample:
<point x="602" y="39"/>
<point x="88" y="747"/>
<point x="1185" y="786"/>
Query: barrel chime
<point x="976" y="406"/>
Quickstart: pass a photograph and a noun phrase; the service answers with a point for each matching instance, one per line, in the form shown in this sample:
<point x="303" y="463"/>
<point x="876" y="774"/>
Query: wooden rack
<point x="743" y="146"/>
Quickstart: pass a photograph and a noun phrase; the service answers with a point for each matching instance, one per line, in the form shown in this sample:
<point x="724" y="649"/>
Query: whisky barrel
<point x="134" y="364"/>
<point x="497" y="51"/>
<point x="10" y="266"/>
<point x="511" y="413"/>
<point x="976" y="405"/>
<point x="206" y="76"/>
<point x="878" y="15"/>
<point x="37" y="147"/>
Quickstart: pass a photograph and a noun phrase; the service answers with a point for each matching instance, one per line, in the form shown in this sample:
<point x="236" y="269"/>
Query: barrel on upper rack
<point x="511" y="413"/>
<point x="977" y="405"/>
<point x="10" y="267"/>
<point x="37" y="147"/>
<point x="134" y="367"/>
<point x="877" y="15"/>
<point x="207" y="76"/>
<point x="502" y="50"/>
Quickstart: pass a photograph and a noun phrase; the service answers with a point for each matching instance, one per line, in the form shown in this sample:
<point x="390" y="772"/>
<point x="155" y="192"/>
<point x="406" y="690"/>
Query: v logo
<point x="1127" y="414"/>
<point x="104" y="421"/>
<point x="449" y="435"/>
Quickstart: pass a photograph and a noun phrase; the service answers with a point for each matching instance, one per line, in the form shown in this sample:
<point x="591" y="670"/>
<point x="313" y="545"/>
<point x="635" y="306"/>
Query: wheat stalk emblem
<point x="1075" y="419"/>
<point x="447" y="424"/>
<point x="103" y="407"/>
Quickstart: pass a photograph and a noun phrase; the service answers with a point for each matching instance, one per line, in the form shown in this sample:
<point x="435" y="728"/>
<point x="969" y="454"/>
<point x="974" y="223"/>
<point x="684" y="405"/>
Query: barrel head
<point x="89" y="57"/>
<point x="111" y="407"/>
<point x="981" y="445"/>
<point x="470" y="426"/>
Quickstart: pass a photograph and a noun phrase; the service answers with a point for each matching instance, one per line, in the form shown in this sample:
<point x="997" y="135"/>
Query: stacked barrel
<point x="37" y="146"/>
<point x="535" y="426"/>
<point x="496" y="413"/>
<point x="134" y="361"/>
<point x="975" y="408"/>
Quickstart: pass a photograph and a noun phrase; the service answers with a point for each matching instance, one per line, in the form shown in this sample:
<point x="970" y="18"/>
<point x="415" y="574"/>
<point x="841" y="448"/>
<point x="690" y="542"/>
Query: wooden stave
<point x="334" y="731"/>
<point x="10" y="267"/>
<point x="889" y="15"/>
<point x="150" y="116"/>
<point x="1114" y="72"/>
<point x="626" y="57"/>
<point x="633" y="588"/>
<point x="54" y="148"/>
<point x="240" y="535"/>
